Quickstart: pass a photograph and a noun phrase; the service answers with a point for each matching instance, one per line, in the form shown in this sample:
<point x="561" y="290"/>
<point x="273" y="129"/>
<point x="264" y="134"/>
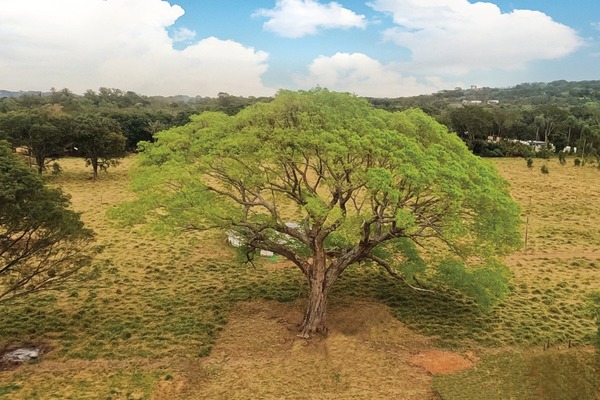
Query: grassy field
<point x="179" y="318"/>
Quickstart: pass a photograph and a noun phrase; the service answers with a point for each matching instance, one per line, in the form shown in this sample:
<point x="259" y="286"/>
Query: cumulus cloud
<point x="297" y="18"/>
<point x="458" y="36"/>
<point x="364" y="76"/>
<point x="118" y="43"/>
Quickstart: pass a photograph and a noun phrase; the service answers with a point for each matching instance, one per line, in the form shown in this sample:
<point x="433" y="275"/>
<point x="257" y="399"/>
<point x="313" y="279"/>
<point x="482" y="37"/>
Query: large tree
<point x="42" y="241"/>
<point x="327" y="181"/>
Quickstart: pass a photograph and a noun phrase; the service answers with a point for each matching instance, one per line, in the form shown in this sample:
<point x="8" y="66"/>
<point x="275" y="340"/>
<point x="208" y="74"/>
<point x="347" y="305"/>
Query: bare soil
<point x="367" y="354"/>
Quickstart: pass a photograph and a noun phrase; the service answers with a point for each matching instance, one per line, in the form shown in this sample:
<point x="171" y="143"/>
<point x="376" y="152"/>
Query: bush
<point x="545" y="169"/>
<point x="504" y="148"/>
<point x="562" y="158"/>
<point x="546" y="152"/>
<point x="529" y="162"/>
<point x="577" y="162"/>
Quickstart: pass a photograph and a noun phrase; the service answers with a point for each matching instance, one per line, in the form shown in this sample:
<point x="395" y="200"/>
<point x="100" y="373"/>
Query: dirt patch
<point x="277" y="264"/>
<point x="439" y="362"/>
<point x="367" y="354"/>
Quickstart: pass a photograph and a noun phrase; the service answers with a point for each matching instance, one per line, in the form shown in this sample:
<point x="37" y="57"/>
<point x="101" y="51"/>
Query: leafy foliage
<point x="41" y="240"/>
<point x="99" y="141"/>
<point x="358" y="183"/>
<point x="44" y="133"/>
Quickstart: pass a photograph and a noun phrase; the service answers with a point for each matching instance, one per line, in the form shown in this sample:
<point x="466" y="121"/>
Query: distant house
<point x="493" y="101"/>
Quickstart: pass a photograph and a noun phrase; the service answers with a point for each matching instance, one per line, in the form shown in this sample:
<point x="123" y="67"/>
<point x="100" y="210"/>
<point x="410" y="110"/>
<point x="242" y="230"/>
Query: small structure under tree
<point x="395" y="190"/>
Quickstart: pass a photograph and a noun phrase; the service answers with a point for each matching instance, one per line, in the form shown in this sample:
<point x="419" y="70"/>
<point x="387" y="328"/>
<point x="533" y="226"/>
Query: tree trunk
<point x="319" y="283"/>
<point x="316" y="308"/>
<point x="39" y="161"/>
<point x="95" y="168"/>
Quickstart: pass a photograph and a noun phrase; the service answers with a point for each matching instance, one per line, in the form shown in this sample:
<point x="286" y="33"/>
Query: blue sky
<point x="383" y="48"/>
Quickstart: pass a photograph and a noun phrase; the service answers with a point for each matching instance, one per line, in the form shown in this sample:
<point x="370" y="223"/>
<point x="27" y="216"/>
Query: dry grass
<point x="145" y="327"/>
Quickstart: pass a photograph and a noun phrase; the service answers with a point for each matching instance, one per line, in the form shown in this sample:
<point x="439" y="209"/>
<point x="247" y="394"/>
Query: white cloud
<point x="596" y="25"/>
<point x="118" y="43"/>
<point x="297" y="18"/>
<point x="457" y="36"/>
<point x="183" y="35"/>
<point x="364" y="76"/>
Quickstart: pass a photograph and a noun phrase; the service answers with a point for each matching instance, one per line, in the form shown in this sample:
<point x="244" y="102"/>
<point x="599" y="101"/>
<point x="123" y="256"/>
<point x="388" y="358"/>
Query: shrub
<point x="562" y="158"/>
<point x="545" y="169"/>
<point x="529" y="162"/>
<point x="546" y="152"/>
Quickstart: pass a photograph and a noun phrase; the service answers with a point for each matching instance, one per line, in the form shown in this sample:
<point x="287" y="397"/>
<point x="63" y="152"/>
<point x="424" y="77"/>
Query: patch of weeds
<point x="573" y="375"/>
<point x="499" y="377"/>
<point x="8" y="389"/>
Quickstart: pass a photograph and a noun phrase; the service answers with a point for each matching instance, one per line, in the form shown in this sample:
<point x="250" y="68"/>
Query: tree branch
<point x="394" y="274"/>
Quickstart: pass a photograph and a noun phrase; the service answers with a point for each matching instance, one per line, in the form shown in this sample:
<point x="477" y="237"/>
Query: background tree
<point x="42" y="242"/>
<point x="549" y="117"/>
<point x="99" y="141"/>
<point x="45" y="132"/>
<point x="472" y="122"/>
<point x="503" y="118"/>
<point x="327" y="181"/>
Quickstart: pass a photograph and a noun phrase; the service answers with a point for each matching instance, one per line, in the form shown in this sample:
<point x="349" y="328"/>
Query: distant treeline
<point x="560" y="113"/>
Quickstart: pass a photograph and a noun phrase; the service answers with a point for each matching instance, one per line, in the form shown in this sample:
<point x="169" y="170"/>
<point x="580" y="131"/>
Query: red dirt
<point x="442" y="362"/>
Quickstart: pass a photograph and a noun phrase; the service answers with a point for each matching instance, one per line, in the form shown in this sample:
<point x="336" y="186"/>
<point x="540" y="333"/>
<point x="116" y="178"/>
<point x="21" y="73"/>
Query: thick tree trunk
<point x="316" y="308"/>
<point x="320" y="280"/>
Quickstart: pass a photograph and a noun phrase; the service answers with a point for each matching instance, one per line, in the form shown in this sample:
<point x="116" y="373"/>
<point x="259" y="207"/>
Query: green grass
<point x="156" y="300"/>
<point x="555" y="375"/>
<point x="88" y="383"/>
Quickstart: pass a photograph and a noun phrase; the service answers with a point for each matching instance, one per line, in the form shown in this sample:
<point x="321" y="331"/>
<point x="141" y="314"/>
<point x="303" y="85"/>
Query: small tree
<point x="99" y="141"/>
<point x="327" y="181"/>
<point x="42" y="242"/>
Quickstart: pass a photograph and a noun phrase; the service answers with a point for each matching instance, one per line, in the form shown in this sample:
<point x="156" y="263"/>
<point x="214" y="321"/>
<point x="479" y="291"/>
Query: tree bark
<point x="319" y="284"/>
<point x="316" y="308"/>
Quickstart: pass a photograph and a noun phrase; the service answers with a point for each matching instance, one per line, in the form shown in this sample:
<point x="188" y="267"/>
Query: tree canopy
<point x="327" y="181"/>
<point x="99" y="141"/>
<point x="42" y="242"/>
